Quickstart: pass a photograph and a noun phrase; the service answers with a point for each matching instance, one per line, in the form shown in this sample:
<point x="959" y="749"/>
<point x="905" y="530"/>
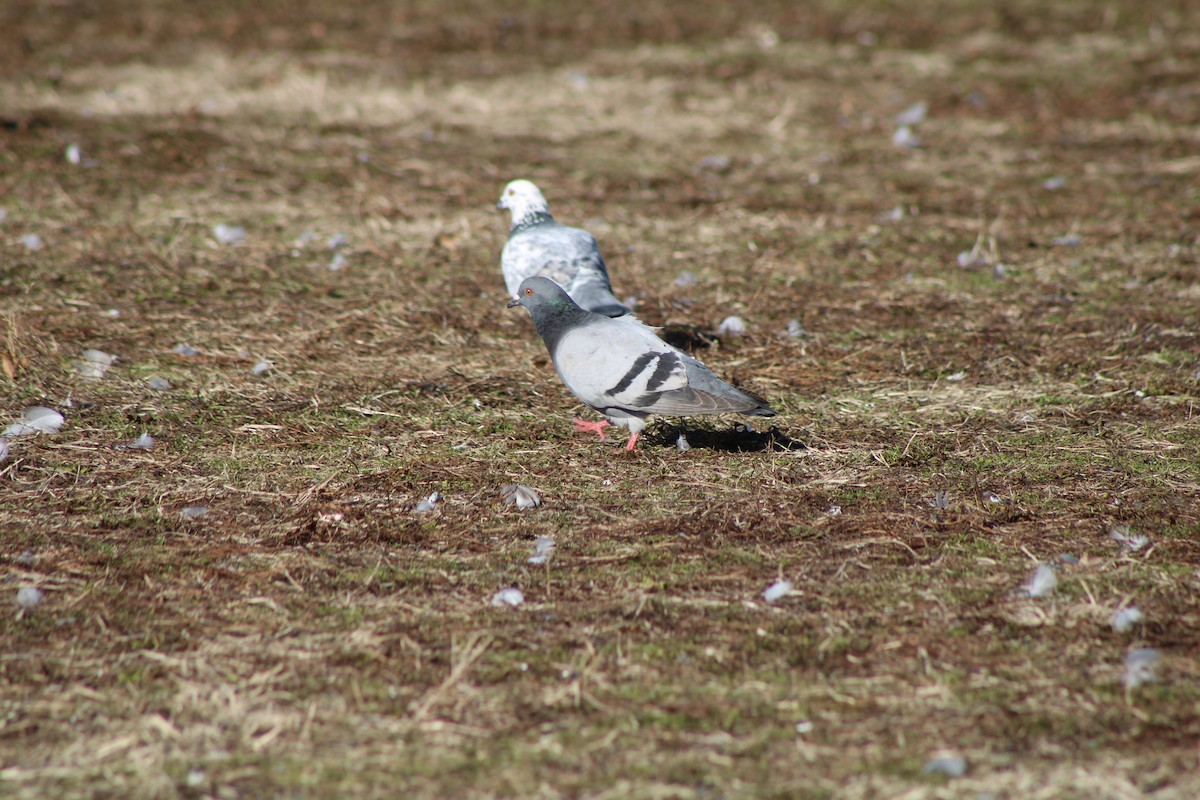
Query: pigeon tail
<point x="612" y="310"/>
<point x="600" y="300"/>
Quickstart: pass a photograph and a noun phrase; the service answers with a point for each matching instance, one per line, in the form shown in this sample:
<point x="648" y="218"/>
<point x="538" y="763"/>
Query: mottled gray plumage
<point x="537" y="245"/>
<point x="620" y="368"/>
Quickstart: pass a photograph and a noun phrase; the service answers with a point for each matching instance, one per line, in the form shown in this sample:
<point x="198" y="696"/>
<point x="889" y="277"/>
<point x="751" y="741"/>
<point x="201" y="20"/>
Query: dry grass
<point x="949" y="427"/>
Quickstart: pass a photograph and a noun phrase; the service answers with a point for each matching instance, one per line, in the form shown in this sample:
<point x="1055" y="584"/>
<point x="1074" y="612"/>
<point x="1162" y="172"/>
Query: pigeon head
<point x="552" y="310"/>
<point x="542" y="294"/>
<point x="523" y="199"/>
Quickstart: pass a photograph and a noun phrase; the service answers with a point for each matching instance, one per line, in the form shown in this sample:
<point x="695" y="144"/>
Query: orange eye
<point x="529" y="292"/>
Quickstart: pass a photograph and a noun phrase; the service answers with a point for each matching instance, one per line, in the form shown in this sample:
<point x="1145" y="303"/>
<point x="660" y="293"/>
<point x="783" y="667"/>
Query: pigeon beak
<point x="514" y="302"/>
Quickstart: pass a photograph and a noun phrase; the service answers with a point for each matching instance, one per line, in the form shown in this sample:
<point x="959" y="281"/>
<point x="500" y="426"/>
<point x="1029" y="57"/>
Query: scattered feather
<point x="681" y="443"/>
<point x="337" y="262"/>
<point x="229" y="234"/>
<point x="186" y="350"/>
<point x="833" y="511"/>
<point x="805" y="726"/>
<point x="113" y="313"/>
<point x="193" y="512"/>
<point x="968" y="258"/>
<point x="31" y="242"/>
<point x="522" y="497"/>
<point x="914" y="114"/>
<point x="74" y="154"/>
<point x="1070" y="240"/>
<point x="1068" y="558"/>
<point x="94" y="364"/>
<point x="428" y="504"/>
<point x="767" y="39"/>
<point x="1141" y="666"/>
<point x="777" y="591"/>
<point x="1054" y="184"/>
<point x="941" y="500"/>
<point x="795" y="329"/>
<point x="38" y="419"/>
<point x="731" y="327"/>
<point x="904" y="137"/>
<point x="4" y="449"/>
<point x="511" y="597"/>
<point x="1041" y="582"/>
<point x="26" y="558"/>
<point x="715" y="163"/>
<point x="337" y="241"/>
<point x="895" y="215"/>
<point x="143" y="442"/>
<point x="949" y="764"/>
<point x="29" y="597"/>
<point x="261" y="368"/>
<point x="955" y="377"/>
<point x="543" y="550"/>
<point x="686" y="278"/>
<point x="1124" y="620"/>
<point x="1122" y="535"/>
<point x="159" y="384"/>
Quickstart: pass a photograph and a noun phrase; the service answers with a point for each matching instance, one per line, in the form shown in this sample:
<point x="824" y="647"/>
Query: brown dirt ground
<point x="942" y="428"/>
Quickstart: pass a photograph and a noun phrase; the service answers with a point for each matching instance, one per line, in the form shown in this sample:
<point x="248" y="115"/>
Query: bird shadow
<point x="738" y="439"/>
<point x="688" y="338"/>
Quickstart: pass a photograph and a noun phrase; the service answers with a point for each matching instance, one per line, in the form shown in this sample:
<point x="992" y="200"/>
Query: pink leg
<point x="632" y="441"/>
<point x="592" y="427"/>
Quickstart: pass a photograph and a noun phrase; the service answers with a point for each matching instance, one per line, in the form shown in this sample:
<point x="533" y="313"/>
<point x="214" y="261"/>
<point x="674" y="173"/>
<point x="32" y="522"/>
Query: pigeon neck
<point x="529" y="219"/>
<point x="557" y="319"/>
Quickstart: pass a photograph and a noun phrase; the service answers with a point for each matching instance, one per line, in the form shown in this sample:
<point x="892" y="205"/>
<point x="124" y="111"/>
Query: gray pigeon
<point x="537" y="245"/>
<point x="622" y="369"/>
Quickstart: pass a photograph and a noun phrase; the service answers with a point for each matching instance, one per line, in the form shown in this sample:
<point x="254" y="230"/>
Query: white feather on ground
<point x="523" y="497"/>
<point x="1041" y="582"/>
<point x="508" y="598"/>
<point x="38" y="419"/>
<point x="543" y="550"/>
<point x="1141" y="666"/>
<point x="777" y="591"/>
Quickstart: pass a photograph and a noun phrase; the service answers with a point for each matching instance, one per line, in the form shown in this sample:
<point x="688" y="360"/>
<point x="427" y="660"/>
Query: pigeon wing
<point x="615" y="364"/>
<point x="705" y="393"/>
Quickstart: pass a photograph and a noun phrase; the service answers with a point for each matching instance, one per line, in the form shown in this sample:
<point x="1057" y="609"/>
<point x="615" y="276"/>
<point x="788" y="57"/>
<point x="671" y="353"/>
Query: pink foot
<point x="585" y="426"/>
<point x="632" y="441"/>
